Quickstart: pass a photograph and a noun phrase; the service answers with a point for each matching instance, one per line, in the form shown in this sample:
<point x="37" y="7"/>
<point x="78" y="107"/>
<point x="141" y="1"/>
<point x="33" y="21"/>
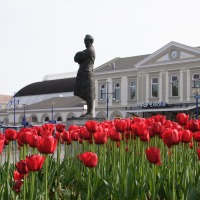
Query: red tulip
<point x="66" y="136"/>
<point x="22" y="167"/>
<point x="75" y="135"/>
<point x="35" y="162"/>
<point x="10" y="134"/>
<point x="182" y="118"/>
<point x="138" y="128"/>
<point x="145" y="136"/>
<point x="100" y="137"/>
<point x="2" y="140"/>
<point x="196" y="136"/>
<point x="120" y="125"/>
<point x="193" y="125"/>
<point x="91" y="126"/>
<point x="84" y="133"/>
<point x="23" y="136"/>
<point x="159" y="118"/>
<point x="156" y="128"/>
<point x="47" y="144"/>
<point x="17" y="186"/>
<point x="60" y="127"/>
<point x="186" y="136"/>
<point x="33" y="140"/>
<point x="114" y="135"/>
<point x="72" y="127"/>
<point x="17" y="176"/>
<point x="89" y="159"/>
<point x="49" y="127"/>
<point x="171" y="137"/>
<point x="153" y="155"/>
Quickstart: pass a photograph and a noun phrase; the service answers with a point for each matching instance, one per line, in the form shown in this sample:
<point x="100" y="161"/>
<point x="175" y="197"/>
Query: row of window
<point x="113" y="89"/>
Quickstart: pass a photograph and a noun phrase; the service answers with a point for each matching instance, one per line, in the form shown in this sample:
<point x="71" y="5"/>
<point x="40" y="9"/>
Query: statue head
<point x="89" y="37"/>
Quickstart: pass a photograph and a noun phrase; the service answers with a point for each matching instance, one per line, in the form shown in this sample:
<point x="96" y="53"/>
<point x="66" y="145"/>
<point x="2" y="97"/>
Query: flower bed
<point x="137" y="158"/>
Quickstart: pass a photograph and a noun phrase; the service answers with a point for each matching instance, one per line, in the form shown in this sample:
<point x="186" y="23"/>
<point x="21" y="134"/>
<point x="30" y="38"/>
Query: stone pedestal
<point x="80" y="121"/>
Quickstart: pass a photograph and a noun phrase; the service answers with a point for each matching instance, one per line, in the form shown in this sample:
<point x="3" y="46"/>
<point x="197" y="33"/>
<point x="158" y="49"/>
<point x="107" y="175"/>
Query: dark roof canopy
<point x="48" y="87"/>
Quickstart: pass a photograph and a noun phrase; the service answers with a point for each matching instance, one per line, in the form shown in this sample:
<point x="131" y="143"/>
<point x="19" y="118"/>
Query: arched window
<point x="46" y="119"/>
<point x="34" y="119"/>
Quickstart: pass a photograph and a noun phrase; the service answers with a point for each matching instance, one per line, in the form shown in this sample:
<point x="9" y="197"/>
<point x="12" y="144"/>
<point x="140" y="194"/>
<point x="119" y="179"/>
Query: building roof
<point x="48" y="87"/>
<point x="120" y="63"/>
<point x="58" y="102"/>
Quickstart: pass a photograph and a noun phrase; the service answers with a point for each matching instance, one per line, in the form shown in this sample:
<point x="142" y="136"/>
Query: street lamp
<point x="196" y="92"/>
<point x="108" y="94"/>
<point x="52" y="105"/>
<point x="14" y="102"/>
<point x="25" y="106"/>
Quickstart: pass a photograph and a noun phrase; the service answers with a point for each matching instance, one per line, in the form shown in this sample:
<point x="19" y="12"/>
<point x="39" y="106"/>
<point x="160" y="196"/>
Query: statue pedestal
<point x="80" y="121"/>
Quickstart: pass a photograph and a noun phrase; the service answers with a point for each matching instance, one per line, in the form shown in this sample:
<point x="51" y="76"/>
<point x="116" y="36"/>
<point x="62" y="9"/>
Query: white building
<point x="157" y="83"/>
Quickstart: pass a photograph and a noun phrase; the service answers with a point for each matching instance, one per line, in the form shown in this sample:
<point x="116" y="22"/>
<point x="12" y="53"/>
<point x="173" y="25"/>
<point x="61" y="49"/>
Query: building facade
<point x="157" y="83"/>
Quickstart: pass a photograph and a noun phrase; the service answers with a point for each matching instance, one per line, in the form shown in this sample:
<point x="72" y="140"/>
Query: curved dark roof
<point x="48" y="87"/>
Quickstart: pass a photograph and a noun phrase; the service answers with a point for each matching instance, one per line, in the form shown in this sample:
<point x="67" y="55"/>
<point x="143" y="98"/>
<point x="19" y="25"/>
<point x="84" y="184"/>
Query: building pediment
<point x="171" y="53"/>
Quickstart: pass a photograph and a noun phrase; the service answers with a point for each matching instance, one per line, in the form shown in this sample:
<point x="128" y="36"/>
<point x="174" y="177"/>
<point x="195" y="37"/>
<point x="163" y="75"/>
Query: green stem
<point x="32" y="185"/>
<point x="174" y="174"/>
<point x="88" y="189"/>
<point x="46" y="177"/>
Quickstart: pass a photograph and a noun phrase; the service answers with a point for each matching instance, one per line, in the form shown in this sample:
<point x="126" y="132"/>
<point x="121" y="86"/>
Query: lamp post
<point x="14" y="102"/>
<point x="108" y="95"/>
<point x="25" y="106"/>
<point x="52" y="105"/>
<point x="196" y="91"/>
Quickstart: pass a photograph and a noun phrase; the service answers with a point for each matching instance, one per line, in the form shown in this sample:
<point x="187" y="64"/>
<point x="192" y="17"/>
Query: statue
<point x="84" y="87"/>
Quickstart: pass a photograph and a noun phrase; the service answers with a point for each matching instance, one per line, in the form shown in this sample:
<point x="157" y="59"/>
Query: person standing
<point x="84" y="86"/>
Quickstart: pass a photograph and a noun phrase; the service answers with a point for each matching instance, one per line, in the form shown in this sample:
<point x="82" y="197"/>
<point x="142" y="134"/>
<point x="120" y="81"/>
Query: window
<point x="174" y="86"/>
<point x="117" y="92"/>
<point x="132" y="90"/>
<point x="154" y="87"/>
<point x="196" y="80"/>
<point x="103" y="92"/>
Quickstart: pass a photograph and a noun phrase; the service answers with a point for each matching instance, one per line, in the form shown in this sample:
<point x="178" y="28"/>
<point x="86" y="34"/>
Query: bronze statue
<point x="84" y="87"/>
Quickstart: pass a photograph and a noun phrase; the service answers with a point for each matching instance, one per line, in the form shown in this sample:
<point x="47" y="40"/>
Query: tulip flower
<point x="193" y="125"/>
<point x="91" y="126"/>
<point x="114" y="135"/>
<point x="120" y="125"/>
<point x="159" y="118"/>
<point x="153" y="155"/>
<point x="65" y="135"/>
<point x="138" y="128"/>
<point x="75" y="135"/>
<point x="10" y="134"/>
<point x="17" y="186"/>
<point x="47" y="144"/>
<point x="60" y="127"/>
<point x="33" y="140"/>
<point x="196" y="136"/>
<point x="182" y="118"/>
<point x="100" y="137"/>
<point x="84" y="133"/>
<point x="2" y="140"/>
<point x="35" y="162"/>
<point x="186" y="136"/>
<point x="171" y="137"/>
<point x="17" y="176"/>
<point x="48" y="127"/>
<point x="22" y="167"/>
<point x="145" y="136"/>
<point x="89" y="159"/>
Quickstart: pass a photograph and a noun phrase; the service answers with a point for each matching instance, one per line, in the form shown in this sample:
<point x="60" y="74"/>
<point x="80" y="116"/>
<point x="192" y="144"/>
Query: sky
<point x="41" y="37"/>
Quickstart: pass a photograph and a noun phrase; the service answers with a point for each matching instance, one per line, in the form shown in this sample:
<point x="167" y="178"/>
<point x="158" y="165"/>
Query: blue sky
<point x="40" y="37"/>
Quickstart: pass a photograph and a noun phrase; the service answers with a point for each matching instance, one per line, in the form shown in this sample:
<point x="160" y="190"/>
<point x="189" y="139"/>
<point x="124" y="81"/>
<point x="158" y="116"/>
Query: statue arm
<point x="83" y="55"/>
